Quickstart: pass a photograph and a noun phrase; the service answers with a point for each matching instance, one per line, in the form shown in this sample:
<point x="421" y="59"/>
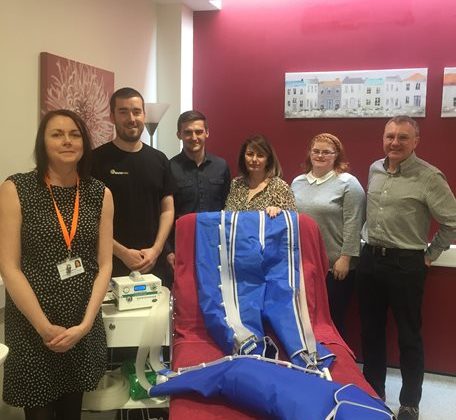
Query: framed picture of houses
<point x="449" y="92"/>
<point x="81" y="88"/>
<point x="356" y="94"/>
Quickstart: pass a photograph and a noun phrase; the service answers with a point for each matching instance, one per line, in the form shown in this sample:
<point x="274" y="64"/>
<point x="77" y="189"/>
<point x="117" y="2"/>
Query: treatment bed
<point x="192" y="345"/>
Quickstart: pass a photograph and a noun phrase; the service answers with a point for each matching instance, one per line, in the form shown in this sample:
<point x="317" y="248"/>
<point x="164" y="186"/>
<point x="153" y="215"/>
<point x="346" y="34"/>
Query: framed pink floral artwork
<point x="81" y="88"/>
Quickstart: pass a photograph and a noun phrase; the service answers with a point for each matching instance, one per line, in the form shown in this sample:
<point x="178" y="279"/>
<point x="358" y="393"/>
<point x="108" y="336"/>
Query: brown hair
<point x="190" y="116"/>
<point x="124" y="93"/>
<point x="259" y="143"/>
<point x="41" y="157"/>
<point x="401" y="119"/>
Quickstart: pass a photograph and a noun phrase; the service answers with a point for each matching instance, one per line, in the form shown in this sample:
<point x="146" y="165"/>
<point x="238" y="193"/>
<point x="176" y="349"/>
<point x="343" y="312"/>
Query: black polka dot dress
<point x="35" y="375"/>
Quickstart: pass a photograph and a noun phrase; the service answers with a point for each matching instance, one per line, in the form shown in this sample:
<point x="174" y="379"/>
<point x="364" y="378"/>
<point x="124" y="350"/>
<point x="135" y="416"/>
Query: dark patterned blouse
<point x="276" y="193"/>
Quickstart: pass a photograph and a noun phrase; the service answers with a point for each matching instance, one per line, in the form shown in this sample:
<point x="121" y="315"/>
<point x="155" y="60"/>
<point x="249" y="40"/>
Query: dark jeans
<point x="339" y="296"/>
<point x="392" y="278"/>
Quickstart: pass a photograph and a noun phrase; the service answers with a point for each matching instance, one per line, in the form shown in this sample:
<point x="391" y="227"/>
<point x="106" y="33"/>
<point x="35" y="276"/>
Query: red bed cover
<point x="192" y="345"/>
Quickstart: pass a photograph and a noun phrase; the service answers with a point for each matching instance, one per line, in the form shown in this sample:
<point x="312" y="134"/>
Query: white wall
<point x="174" y="70"/>
<point x="119" y="36"/>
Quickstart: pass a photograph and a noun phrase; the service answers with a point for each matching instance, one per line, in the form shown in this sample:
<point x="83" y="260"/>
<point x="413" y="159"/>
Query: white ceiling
<point x="198" y="5"/>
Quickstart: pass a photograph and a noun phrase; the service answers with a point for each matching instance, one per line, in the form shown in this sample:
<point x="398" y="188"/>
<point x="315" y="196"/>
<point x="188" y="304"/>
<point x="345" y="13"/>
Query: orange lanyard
<point x="74" y="223"/>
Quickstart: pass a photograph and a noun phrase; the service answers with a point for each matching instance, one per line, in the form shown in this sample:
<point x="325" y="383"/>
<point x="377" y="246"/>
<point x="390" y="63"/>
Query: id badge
<point x="70" y="268"/>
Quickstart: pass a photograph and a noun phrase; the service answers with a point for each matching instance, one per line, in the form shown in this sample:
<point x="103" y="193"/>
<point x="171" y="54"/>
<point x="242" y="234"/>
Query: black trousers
<point x="392" y="278"/>
<point x="67" y="407"/>
<point x="339" y="295"/>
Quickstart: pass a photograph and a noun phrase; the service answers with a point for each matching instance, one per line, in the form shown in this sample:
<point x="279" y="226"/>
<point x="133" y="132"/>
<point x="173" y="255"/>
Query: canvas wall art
<point x="449" y="92"/>
<point x="356" y="94"/>
<point x="81" y="88"/>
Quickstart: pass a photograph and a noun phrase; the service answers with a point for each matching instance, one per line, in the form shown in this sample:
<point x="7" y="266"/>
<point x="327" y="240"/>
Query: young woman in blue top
<point x="336" y="200"/>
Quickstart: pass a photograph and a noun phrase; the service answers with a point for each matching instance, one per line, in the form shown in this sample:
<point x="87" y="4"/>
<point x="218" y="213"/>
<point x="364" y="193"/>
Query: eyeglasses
<point x="324" y="153"/>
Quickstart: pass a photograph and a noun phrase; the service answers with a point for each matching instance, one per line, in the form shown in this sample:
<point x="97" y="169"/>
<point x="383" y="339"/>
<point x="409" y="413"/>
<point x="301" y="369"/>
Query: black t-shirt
<point x="138" y="182"/>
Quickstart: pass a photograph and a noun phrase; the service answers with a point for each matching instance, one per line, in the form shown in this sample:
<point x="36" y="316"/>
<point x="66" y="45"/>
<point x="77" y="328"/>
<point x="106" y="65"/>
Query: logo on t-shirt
<point x="114" y="172"/>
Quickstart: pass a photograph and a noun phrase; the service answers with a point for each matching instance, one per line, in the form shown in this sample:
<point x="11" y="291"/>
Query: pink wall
<point x="243" y="52"/>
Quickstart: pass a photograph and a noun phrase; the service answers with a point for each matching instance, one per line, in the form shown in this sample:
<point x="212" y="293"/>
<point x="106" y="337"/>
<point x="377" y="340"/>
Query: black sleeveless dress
<point x="35" y="375"/>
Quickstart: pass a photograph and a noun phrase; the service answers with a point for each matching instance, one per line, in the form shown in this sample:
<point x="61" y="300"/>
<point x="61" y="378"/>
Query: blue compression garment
<point x="250" y="276"/>
<point x="275" y="392"/>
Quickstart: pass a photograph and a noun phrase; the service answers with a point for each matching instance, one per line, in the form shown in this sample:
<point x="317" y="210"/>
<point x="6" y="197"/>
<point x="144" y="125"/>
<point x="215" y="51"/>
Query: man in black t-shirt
<point x="142" y="186"/>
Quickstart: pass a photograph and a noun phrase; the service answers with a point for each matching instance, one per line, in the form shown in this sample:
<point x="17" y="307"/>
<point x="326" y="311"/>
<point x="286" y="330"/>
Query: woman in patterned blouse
<point x="259" y="186"/>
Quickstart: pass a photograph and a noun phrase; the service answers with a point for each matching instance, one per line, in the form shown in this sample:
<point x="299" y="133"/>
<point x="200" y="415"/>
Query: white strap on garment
<point x="261" y="233"/>
<point x="231" y="253"/>
<point x="304" y="310"/>
<point x="340" y="401"/>
<point x="186" y="369"/>
<point x="233" y="318"/>
<point x="153" y="335"/>
<point x="292" y="281"/>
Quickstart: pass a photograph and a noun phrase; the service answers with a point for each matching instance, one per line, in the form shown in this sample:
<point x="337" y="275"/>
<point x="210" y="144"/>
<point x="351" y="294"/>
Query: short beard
<point x="129" y="139"/>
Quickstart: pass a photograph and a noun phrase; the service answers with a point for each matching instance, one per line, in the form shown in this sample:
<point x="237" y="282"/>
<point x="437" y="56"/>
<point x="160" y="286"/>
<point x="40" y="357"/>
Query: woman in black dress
<point x="49" y="219"/>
